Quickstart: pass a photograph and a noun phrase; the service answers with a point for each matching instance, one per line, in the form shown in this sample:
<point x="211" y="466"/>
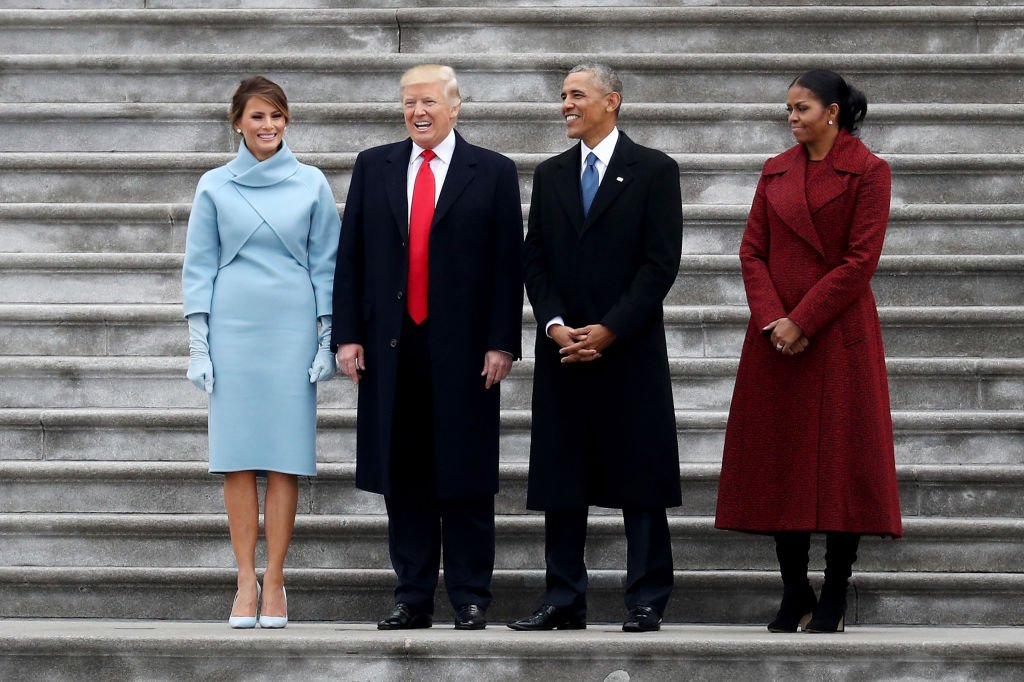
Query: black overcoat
<point x="604" y="432"/>
<point x="475" y="305"/>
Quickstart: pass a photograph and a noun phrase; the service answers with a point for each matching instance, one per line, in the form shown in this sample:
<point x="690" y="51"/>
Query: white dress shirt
<point x="439" y="166"/>
<point x="603" y="150"/>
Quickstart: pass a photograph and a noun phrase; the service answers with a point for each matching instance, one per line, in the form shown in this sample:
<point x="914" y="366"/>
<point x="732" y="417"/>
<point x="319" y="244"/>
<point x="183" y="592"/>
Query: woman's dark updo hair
<point x="830" y="88"/>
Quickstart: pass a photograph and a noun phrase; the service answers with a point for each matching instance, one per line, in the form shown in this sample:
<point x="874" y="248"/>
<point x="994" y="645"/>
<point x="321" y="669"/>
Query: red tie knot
<point x="428" y="155"/>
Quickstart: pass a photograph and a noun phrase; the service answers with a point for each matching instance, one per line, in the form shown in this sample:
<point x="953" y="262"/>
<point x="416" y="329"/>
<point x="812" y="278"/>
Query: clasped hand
<point x="787" y="337"/>
<point x="584" y="344"/>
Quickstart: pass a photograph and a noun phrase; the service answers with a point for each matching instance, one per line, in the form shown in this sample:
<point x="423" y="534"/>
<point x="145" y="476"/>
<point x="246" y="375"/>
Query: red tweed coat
<point x="809" y="444"/>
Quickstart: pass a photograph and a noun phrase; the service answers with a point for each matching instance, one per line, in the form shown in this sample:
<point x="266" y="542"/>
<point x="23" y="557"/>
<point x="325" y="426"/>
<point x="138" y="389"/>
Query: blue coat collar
<point x="248" y="171"/>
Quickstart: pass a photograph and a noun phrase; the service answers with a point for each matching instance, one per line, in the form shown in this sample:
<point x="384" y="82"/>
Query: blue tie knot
<point x="591" y="159"/>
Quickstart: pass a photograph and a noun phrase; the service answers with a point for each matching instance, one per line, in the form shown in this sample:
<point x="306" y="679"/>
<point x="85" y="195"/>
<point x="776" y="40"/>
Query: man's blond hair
<point x="434" y="73"/>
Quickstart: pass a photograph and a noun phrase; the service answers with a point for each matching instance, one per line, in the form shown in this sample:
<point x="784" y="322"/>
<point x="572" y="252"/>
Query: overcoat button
<point x="394" y="342"/>
<point x="399" y="295"/>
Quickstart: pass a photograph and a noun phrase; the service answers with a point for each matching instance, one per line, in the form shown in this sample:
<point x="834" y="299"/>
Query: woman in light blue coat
<point x="258" y="277"/>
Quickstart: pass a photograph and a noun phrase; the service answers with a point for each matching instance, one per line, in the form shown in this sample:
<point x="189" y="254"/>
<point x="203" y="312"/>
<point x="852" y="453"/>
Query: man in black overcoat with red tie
<point x="602" y="252"/>
<point x="428" y="308"/>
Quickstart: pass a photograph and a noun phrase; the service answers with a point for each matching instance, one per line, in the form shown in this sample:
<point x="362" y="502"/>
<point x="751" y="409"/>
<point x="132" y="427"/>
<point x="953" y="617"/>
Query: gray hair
<point x="602" y="74"/>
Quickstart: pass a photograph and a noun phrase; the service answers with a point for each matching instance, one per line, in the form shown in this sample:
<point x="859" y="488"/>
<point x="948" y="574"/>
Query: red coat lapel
<point x="787" y="196"/>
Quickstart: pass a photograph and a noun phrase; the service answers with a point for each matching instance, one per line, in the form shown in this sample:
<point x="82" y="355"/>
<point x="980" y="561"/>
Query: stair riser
<point x="322" y="495"/>
<point x="693" y="601"/>
<point x="908" y="392"/>
<point x="700" y="236"/>
<point x="340" y="82"/>
<point x="88" y="443"/>
<point x="684" y="340"/>
<point x="141" y="38"/>
<point x="708" y="186"/>
<point x="429" y="33"/>
<point x="703" y="550"/>
<point x="546" y="136"/>
<point x="702" y="287"/>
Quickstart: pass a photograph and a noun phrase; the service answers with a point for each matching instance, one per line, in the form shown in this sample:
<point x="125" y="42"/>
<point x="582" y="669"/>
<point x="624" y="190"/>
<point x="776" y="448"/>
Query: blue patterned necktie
<point x="589" y="182"/>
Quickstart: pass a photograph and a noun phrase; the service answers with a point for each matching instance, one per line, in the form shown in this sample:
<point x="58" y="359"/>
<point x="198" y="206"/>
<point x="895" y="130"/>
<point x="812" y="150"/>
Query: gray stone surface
<point x="112" y="649"/>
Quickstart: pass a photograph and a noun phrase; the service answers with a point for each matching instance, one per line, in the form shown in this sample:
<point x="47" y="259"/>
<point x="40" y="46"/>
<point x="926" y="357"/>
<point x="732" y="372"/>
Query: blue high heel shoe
<point x="276" y="622"/>
<point x="246" y="622"/>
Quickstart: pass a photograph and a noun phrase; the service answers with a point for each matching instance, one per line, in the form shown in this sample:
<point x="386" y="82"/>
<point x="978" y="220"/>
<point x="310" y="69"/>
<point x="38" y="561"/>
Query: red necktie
<point x="420" y="217"/>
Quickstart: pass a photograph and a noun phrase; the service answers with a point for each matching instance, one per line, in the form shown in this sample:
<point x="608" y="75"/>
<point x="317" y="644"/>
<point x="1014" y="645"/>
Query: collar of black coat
<point x="848" y="155"/>
<point x="251" y="172"/>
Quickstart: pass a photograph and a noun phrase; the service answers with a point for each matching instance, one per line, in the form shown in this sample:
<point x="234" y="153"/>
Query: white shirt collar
<point x="603" y="150"/>
<point x="444" y="150"/>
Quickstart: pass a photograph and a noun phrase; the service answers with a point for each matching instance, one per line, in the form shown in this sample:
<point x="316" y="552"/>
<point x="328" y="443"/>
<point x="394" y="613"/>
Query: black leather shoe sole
<point x="564" y="625"/>
<point x="417" y="622"/>
<point x="641" y="627"/>
<point x="470" y="625"/>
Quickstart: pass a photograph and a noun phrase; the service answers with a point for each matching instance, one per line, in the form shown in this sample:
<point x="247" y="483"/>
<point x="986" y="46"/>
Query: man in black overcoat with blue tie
<point x="602" y="252"/>
<point x="428" y="309"/>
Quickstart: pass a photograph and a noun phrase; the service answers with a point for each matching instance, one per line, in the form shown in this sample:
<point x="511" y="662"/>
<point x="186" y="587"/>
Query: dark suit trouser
<point x="422" y="527"/>
<point x="648" y="558"/>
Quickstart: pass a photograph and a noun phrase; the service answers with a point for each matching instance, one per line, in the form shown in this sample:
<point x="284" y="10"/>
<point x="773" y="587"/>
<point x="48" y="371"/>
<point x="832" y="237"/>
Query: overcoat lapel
<point x="460" y="174"/>
<point x="616" y="177"/>
<point x="788" y="197"/>
<point x="567" y="186"/>
<point x="396" y="185"/>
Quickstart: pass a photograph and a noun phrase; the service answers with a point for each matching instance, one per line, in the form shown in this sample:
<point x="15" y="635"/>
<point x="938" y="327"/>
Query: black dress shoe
<point x="642" y="619"/>
<point x="549" y="617"/>
<point x="470" y="617"/>
<point x="403" y="618"/>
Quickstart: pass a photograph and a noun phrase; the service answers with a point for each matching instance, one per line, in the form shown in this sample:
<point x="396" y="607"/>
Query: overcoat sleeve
<point x="762" y="298"/>
<point x="506" y="323"/>
<point x="543" y="295"/>
<point x="662" y="248"/>
<point x="324" y="230"/>
<point x="348" y="272"/>
<point x="837" y="290"/>
<point x="202" y="253"/>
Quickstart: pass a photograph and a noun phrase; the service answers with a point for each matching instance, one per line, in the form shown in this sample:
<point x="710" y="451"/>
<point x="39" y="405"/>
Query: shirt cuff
<point x="557" y="319"/>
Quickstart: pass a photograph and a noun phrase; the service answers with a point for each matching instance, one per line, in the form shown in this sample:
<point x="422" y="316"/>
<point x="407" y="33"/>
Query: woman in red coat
<point x="809" y="447"/>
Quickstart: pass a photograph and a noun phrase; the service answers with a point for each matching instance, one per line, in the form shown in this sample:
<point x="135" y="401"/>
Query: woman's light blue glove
<point x="200" y="369"/>
<point x="324" y="366"/>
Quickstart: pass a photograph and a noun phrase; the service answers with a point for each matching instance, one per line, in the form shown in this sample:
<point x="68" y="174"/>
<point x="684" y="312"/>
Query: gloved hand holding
<point x="324" y="366"/>
<point x="200" y="369"/>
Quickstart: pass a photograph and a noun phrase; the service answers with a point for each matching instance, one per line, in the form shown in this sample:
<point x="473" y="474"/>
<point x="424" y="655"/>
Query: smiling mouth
<point x="421" y="125"/>
<point x="572" y="117"/>
<point x="267" y="137"/>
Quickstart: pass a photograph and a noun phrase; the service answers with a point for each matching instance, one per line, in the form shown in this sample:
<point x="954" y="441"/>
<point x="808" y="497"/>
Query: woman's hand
<point x="787" y="337"/>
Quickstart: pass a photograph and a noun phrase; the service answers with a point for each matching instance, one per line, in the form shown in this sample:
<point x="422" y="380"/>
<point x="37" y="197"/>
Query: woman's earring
<point x="239" y="130"/>
<point x="830" y="123"/>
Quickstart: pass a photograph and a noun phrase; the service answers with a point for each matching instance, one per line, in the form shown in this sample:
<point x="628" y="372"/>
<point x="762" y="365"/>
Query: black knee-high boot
<point x="797" y="596"/>
<point x="840" y="553"/>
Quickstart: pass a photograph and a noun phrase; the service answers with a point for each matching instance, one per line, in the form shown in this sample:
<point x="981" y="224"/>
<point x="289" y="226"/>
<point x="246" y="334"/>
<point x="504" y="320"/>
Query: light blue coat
<point x="259" y="260"/>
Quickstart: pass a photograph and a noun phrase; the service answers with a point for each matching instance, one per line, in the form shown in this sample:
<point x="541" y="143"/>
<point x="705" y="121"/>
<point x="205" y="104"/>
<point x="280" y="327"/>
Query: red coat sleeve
<point x="763" y="299"/>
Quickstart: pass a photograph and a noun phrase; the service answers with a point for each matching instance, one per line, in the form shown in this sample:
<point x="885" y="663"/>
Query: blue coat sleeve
<point x="322" y="248"/>
<point x="202" y="253"/>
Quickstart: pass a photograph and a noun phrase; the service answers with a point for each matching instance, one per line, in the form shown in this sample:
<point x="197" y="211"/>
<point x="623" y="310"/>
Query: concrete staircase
<point x="112" y="109"/>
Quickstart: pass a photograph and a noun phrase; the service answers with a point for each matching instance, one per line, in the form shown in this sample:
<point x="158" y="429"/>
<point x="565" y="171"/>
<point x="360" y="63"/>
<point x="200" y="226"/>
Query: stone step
<point x="123" y="487"/>
<point x="961" y="437"/>
<point x="338" y="76"/>
<point x="691" y="331"/>
<point x="697" y="383"/>
<point x="364" y="595"/>
<point x="360" y="542"/>
<point x="703" y="280"/>
<point x="152" y="649"/>
<point x="350" y="4"/>
<point x="506" y="127"/>
<point x="706" y="178"/>
<point x="516" y="30"/>
<point x="147" y="32"/>
<point x="914" y="229"/>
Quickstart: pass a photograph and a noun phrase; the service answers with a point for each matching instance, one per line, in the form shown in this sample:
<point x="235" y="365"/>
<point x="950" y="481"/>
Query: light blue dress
<point x="259" y="260"/>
